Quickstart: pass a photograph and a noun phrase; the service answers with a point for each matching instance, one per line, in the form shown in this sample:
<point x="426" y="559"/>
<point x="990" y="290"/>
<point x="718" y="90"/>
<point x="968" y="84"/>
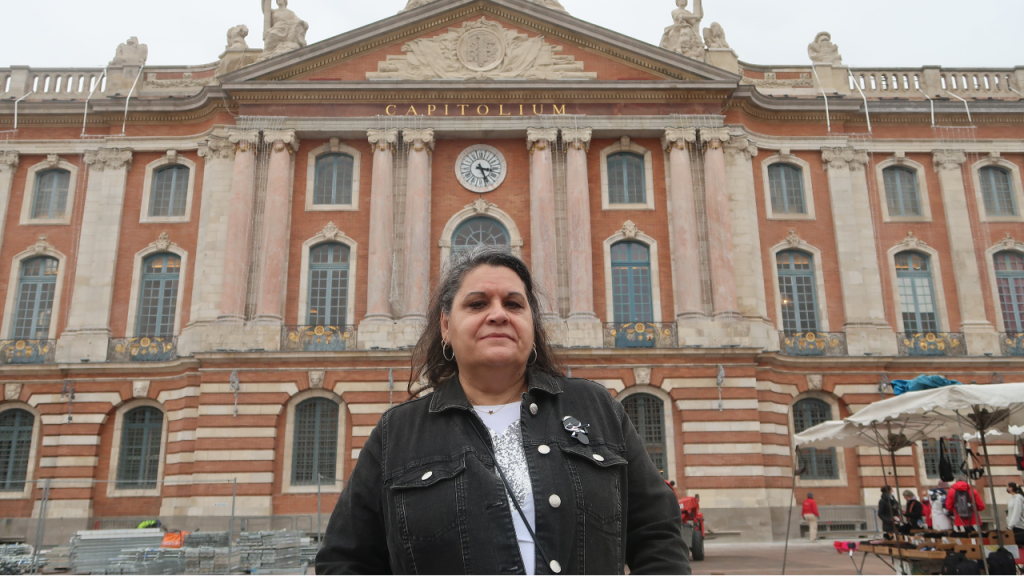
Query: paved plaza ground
<point x="804" y="558"/>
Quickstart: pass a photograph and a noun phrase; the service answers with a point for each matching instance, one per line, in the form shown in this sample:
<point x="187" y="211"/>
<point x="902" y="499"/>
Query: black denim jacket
<point x="425" y="497"/>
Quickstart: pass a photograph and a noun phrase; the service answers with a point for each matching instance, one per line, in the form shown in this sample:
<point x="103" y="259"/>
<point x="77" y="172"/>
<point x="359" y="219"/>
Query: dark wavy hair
<point x="428" y="361"/>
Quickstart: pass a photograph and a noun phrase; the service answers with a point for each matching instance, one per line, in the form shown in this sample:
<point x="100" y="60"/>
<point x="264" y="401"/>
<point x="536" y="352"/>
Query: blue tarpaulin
<point x="922" y="382"/>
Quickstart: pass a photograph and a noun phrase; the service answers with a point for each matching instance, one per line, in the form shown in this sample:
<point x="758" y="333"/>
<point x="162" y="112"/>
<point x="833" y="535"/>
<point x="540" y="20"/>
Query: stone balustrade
<point x="78" y="83"/>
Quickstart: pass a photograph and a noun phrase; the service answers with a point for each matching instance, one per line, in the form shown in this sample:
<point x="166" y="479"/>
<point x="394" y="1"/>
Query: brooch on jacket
<point x="577" y="429"/>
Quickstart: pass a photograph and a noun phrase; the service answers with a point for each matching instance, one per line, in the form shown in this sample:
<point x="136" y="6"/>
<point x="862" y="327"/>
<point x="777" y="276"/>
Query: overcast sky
<point x="890" y="33"/>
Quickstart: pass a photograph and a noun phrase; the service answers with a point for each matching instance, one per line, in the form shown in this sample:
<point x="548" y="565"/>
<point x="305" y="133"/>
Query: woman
<point x="507" y="467"/>
<point x="888" y="510"/>
<point x="926" y="503"/>
<point x="1015" y="512"/>
<point x="941" y="519"/>
<point x="914" y="511"/>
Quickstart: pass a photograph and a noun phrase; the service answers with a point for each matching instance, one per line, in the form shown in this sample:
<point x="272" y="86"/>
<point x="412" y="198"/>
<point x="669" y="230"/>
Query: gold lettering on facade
<point x="463" y="108"/>
<point x="430" y="109"/>
<point x="486" y="110"/>
<point x="535" y="113"/>
<point x="480" y="109"/>
<point x="501" y="110"/>
<point x="388" y="110"/>
<point x="412" y="111"/>
<point x="445" y="109"/>
<point x="557" y="111"/>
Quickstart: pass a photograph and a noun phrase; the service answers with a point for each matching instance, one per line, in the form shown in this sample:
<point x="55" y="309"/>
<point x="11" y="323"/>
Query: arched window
<point x="647" y="413"/>
<point x="334" y="173"/>
<point x="901" y="191"/>
<point x="797" y="291"/>
<point x="786" y="184"/>
<point x="917" y="298"/>
<point x="631" y="282"/>
<point x="36" y="289"/>
<point x="997" y="191"/>
<point x="315" y="451"/>
<point x="158" y="296"/>
<point x="626" y="179"/>
<point x="1010" y="282"/>
<point x="139" y="462"/>
<point x="328" y="285"/>
<point x="479" y="231"/>
<point x="51" y="197"/>
<point x="15" y="445"/>
<point x="170" y="191"/>
<point x="820" y="464"/>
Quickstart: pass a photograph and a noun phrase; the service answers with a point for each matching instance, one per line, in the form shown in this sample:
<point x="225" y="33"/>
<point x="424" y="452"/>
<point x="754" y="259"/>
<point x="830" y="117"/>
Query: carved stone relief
<point x="12" y="391"/>
<point x="131" y="53"/>
<point x="814" y="381"/>
<point x="642" y="375"/>
<point x="553" y="4"/>
<point x="823" y="51"/>
<point x="316" y="378"/>
<point x="140" y="388"/>
<point x="480" y="50"/>
<point x="770" y="80"/>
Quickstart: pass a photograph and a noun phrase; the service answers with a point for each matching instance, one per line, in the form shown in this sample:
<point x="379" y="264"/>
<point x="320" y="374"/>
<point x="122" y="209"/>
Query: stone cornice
<point x="109" y="159"/>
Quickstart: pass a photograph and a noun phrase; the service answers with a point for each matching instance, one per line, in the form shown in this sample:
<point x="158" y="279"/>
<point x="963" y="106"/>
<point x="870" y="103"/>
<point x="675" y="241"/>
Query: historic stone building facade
<point x="213" y="273"/>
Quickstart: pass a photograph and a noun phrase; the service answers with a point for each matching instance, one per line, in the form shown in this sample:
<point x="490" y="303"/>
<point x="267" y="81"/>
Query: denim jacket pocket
<point x="430" y="499"/>
<point x="597" y="474"/>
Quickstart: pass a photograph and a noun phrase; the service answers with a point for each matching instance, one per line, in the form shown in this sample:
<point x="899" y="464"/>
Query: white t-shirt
<point x="507" y="438"/>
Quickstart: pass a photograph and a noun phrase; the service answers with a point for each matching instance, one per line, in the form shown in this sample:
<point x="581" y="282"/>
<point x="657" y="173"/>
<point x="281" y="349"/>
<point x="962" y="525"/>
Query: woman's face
<point x="491" y="323"/>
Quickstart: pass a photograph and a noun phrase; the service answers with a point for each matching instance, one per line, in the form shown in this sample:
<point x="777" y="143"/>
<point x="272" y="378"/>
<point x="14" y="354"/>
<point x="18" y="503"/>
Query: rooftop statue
<point x="823" y="51"/>
<point x="683" y="36"/>
<point x="131" y="53"/>
<point x="236" y="37"/>
<point x="283" y="31"/>
<point x="714" y="37"/>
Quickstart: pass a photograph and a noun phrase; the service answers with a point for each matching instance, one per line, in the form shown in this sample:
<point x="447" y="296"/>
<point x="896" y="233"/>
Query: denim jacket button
<point x="554" y="500"/>
<point x="544" y="449"/>
<point x="555" y="566"/>
<point x="533" y="409"/>
<point x="426" y="475"/>
<point x="598" y="457"/>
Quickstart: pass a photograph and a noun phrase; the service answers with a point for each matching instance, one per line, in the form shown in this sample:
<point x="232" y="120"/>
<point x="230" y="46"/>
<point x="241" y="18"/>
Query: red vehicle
<point x="693" y="525"/>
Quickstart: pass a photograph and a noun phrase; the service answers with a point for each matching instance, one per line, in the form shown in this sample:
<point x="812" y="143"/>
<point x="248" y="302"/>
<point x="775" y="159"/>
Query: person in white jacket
<point x="940" y="518"/>
<point x="1015" y="512"/>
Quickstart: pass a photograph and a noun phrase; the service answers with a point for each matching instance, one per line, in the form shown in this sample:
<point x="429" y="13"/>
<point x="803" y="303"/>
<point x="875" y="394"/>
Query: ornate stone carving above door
<point x="480" y="50"/>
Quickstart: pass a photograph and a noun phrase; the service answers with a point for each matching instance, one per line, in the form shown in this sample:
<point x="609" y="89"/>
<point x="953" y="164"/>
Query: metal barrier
<point x="837" y="519"/>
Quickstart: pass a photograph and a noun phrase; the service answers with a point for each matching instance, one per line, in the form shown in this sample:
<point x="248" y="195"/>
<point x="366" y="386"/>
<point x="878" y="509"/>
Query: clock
<point x="480" y="168"/>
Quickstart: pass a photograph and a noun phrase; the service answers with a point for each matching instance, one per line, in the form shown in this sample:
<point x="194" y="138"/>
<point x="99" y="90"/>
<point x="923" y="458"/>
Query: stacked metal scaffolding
<point x="149" y="561"/>
<point x="94" y="551"/>
<point x="268" y="550"/>
<point x="18" y="559"/>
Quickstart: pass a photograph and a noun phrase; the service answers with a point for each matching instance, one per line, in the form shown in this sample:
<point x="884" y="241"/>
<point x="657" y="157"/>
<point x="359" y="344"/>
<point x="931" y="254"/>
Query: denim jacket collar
<point x="451" y="395"/>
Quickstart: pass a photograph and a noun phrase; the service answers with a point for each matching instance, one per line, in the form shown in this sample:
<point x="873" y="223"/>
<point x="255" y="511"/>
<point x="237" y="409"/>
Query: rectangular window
<point x="997" y="192"/>
<point x="953" y="449"/>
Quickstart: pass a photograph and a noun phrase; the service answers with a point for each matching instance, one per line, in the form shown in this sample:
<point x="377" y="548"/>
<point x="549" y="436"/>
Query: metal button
<point x="598" y="457"/>
<point x="426" y="475"/>
<point x="533" y="409"/>
<point x="554" y="500"/>
<point x="555" y="566"/>
<point x="544" y="449"/>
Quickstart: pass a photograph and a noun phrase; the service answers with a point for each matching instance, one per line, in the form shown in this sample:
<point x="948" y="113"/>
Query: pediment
<point x="479" y="40"/>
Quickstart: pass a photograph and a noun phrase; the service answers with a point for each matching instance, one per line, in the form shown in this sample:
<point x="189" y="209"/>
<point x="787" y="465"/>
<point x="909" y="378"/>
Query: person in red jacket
<point x="810" y="513"/>
<point x="966" y="512"/>
<point x="927" y="503"/>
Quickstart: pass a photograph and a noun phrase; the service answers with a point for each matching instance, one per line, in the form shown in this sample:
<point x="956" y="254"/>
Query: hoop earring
<point x="536" y="356"/>
<point x="443" y="344"/>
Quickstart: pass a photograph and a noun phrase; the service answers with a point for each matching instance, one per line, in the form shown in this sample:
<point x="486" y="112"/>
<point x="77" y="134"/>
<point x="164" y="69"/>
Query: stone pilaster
<point x="582" y="327"/>
<point x="543" y="233"/>
<point x="276" y="220"/>
<point x="208" y="280"/>
<point x="979" y="333"/>
<point x="720" y="247"/>
<point x="88" y="326"/>
<point x="866" y="328"/>
<point x="683" y="225"/>
<point x="8" y="165"/>
<point x="239" y="227"/>
<point x="375" y="329"/>
<point x="417" y="235"/>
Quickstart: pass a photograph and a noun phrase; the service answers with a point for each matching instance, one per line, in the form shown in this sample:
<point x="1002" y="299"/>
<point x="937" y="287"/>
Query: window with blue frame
<point x="334" y="175"/>
<point x="479" y="231"/>
<point x="626" y="179"/>
<point x="15" y="444"/>
<point x="797" y="291"/>
<point x="997" y="191"/>
<point x="315" y="448"/>
<point x="951" y="447"/>
<point x="158" y="295"/>
<point x="139" y="462"/>
<point x="51" y="197"/>
<point x="328" y="285"/>
<point x="1010" y="284"/>
<point x="917" y="296"/>
<point x="632" y="301"/>
<point x="169" y="192"/>
<point x="36" y="288"/>
<point x="901" y="195"/>
<point x="819" y="464"/>
<point x="647" y="413"/>
<point x="786" y="186"/>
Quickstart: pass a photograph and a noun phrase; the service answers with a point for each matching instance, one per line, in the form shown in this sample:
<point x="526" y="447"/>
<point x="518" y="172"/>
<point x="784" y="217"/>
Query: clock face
<point x="480" y="168"/>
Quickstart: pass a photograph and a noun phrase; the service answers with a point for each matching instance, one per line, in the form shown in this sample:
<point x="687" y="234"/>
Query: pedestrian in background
<point x="941" y="519"/>
<point x="810" y="512"/>
<point x="926" y="503"/>
<point x="964" y="503"/>
<point x="914" y="511"/>
<point x="888" y="510"/>
<point x="1015" y="512"/>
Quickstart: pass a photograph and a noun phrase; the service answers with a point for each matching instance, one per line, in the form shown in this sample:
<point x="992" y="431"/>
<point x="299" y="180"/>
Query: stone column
<point x="88" y="327"/>
<point x="239" y="227"/>
<point x="682" y="233"/>
<point x="375" y="329"/>
<point x="543" y="263"/>
<point x="583" y="326"/>
<point x="276" y="220"/>
<point x="863" y="305"/>
<point x="979" y="333"/>
<point x="720" y="247"/>
<point x="417" y="233"/>
<point x="8" y="165"/>
<point x="208" y="280"/>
